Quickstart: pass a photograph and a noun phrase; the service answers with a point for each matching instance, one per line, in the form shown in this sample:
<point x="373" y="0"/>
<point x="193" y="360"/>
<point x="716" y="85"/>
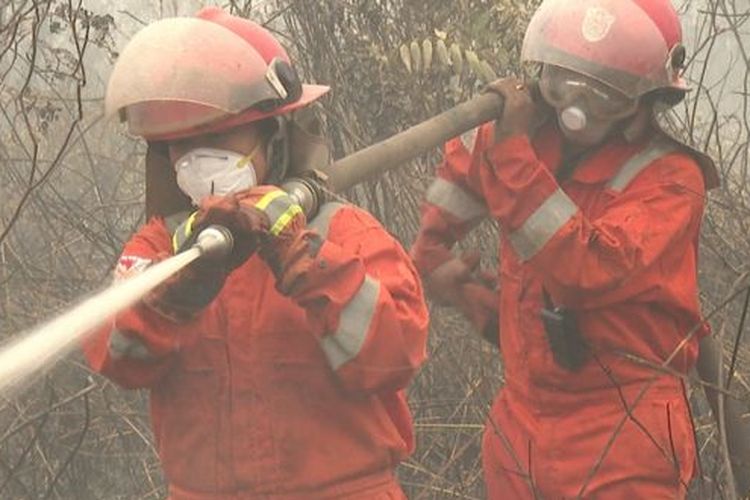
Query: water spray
<point x="44" y="345"/>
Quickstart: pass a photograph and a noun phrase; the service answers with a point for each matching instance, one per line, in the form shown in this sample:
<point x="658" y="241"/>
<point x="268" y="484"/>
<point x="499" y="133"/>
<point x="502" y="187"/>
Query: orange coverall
<point x="615" y="242"/>
<point x="272" y="397"/>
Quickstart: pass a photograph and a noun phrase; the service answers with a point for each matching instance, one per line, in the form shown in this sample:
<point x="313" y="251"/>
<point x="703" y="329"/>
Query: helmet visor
<point x="185" y="72"/>
<point x="562" y="88"/>
<point x="612" y="41"/>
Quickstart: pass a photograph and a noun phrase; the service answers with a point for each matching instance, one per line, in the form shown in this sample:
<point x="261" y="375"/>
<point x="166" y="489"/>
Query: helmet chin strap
<point x="163" y="195"/>
<point x="277" y="152"/>
<point x="636" y="126"/>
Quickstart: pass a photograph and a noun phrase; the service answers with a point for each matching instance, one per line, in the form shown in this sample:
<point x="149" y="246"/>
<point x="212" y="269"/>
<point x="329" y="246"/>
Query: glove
<point x="459" y="283"/>
<point x="237" y="213"/>
<point x="524" y="110"/>
<point x="182" y="296"/>
<point x="246" y="215"/>
<point x="288" y="248"/>
<point x="444" y="283"/>
<point x="264" y="219"/>
<point x="479" y="304"/>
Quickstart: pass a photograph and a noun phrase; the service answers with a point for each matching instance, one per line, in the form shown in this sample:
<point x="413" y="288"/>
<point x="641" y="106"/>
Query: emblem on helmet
<point x="596" y="24"/>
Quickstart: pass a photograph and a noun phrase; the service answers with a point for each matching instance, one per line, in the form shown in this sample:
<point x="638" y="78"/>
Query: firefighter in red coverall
<point x="599" y="212"/>
<point x="278" y="373"/>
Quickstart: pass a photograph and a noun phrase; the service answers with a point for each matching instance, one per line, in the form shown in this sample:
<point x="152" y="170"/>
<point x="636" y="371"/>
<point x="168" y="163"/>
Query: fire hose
<point x="40" y="347"/>
<point x="381" y="157"/>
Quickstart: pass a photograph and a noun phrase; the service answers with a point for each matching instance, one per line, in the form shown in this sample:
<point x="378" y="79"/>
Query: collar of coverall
<point x="596" y="165"/>
<point x="603" y="161"/>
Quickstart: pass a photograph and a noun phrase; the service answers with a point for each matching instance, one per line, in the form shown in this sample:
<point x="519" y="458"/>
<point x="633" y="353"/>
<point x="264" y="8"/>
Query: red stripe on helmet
<point x="664" y="16"/>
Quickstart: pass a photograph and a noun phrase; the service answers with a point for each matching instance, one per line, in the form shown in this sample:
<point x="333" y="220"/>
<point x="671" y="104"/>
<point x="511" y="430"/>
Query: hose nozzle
<point x="214" y="242"/>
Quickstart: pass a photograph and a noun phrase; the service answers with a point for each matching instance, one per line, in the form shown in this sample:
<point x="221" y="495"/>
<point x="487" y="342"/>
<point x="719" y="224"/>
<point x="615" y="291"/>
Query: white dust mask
<point x="206" y="171"/>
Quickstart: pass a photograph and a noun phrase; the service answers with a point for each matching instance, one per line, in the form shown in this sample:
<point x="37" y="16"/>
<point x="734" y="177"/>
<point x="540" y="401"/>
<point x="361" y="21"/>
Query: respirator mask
<point x="586" y="108"/>
<point x="204" y="172"/>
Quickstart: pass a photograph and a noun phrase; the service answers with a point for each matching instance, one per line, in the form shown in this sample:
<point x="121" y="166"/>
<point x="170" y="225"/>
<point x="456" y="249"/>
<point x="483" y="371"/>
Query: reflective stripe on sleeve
<point x="280" y="209"/>
<point x="183" y="232"/>
<point x="542" y="225"/>
<point x="125" y="346"/>
<point x="469" y="139"/>
<point x="346" y="342"/>
<point x="455" y="200"/>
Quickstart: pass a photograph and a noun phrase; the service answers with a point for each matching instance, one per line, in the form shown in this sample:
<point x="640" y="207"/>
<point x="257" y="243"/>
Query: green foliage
<point x="418" y="58"/>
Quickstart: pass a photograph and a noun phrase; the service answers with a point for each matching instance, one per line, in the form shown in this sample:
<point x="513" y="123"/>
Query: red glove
<point x="267" y="219"/>
<point x="237" y="213"/>
<point x="524" y="109"/>
<point x="459" y="283"/>
<point x="185" y="293"/>
<point x="288" y="248"/>
<point x="479" y="304"/>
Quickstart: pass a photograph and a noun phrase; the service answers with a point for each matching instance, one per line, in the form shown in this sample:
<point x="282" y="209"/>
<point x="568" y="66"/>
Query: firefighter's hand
<point x="286" y="246"/>
<point x="444" y="283"/>
<point x="520" y="109"/>
<point x="479" y="303"/>
<point x="182" y="296"/>
<point x="267" y="219"/>
<point x="460" y="284"/>
<point x="284" y="216"/>
<point x="237" y="213"/>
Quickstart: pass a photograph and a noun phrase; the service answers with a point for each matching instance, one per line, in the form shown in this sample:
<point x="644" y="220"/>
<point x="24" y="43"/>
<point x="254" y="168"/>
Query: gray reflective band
<point x="346" y="342"/>
<point x="454" y="200"/>
<point x="635" y="165"/>
<point x="277" y="208"/>
<point x="124" y="346"/>
<point x="323" y="219"/>
<point x="469" y="139"/>
<point x="542" y="225"/>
